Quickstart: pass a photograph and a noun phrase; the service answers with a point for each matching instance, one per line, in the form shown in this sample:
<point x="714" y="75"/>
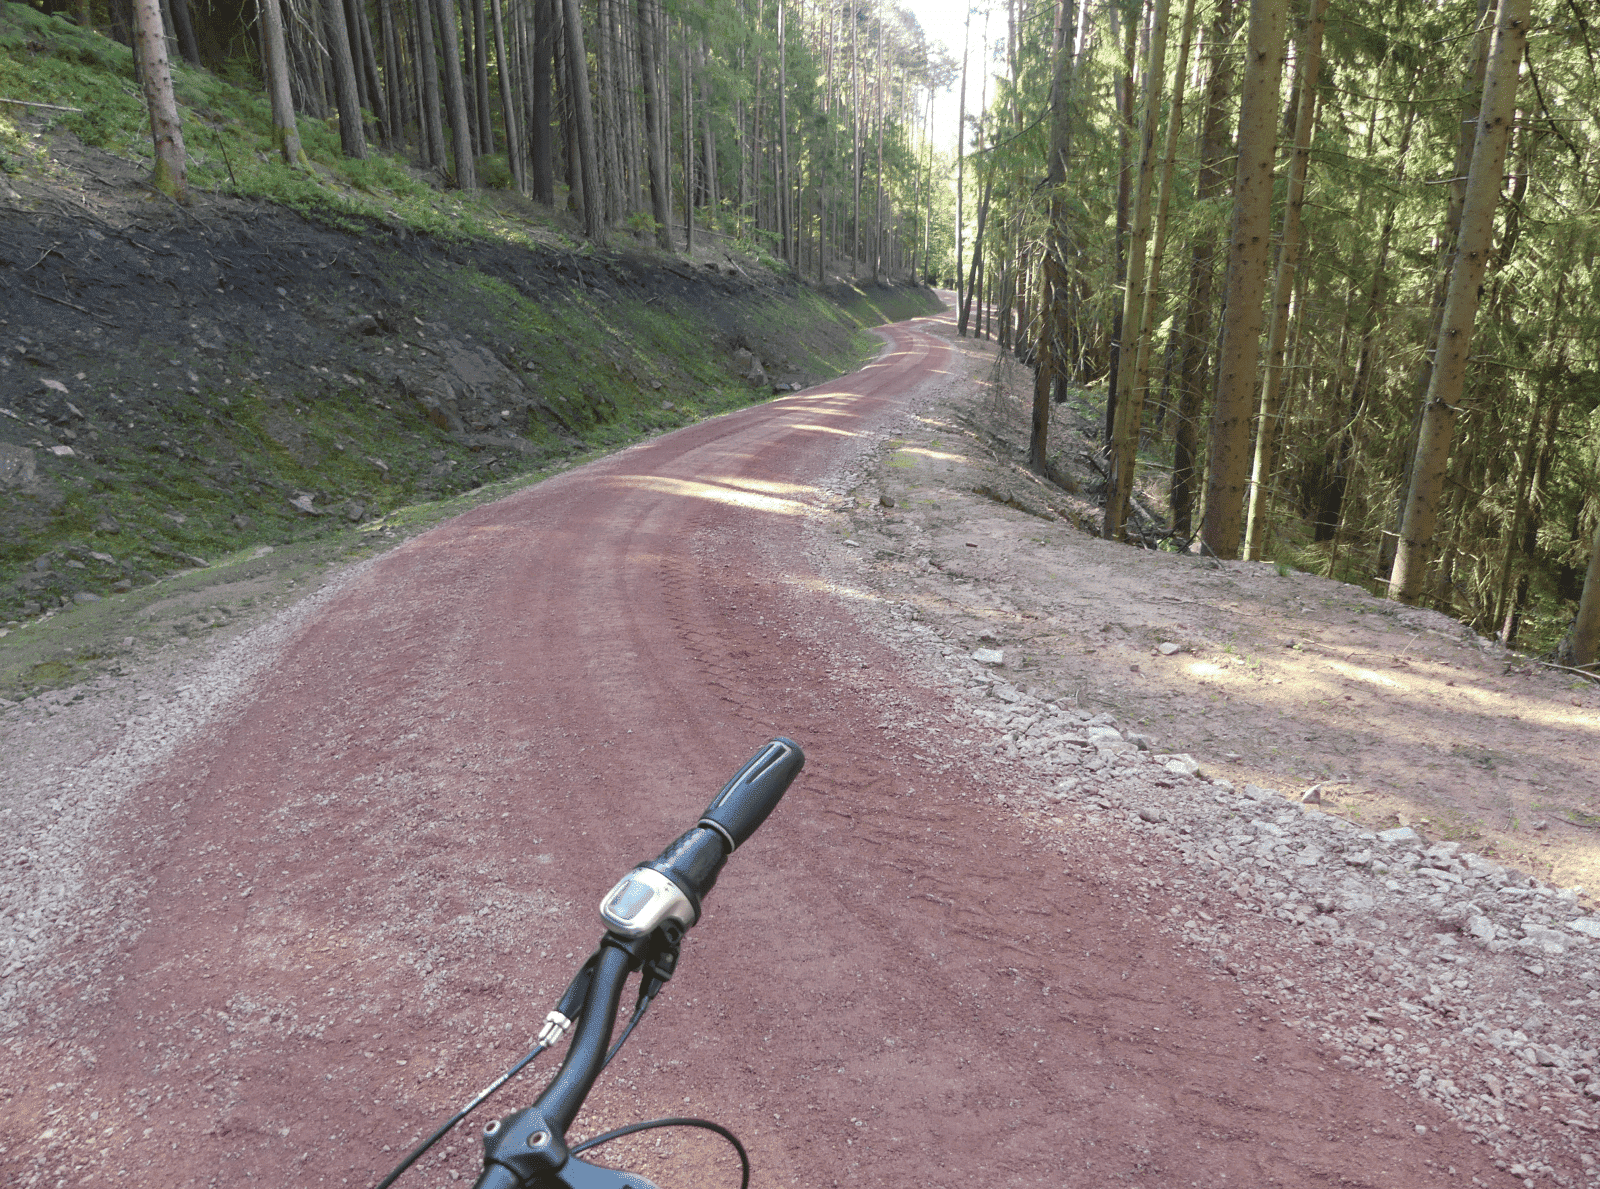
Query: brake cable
<point x="704" y="1124"/>
<point x="555" y="1027"/>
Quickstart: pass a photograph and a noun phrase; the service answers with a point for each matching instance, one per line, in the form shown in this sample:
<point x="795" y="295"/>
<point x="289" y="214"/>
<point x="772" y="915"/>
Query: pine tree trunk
<point x="708" y="140"/>
<point x="1228" y="454"/>
<point x="456" y="95"/>
<point x="1215" y="148"/>
<point x="183" y="26"/>
<point x="352" y="135"/>
<point x="171" y="174"/>
<point x="961" y="161"/>
<point x="686" y="144"/>
<point x="1129" y="423"/>
<point x="877" y="189"/>
<point x="1330" y="508"/>
<point x="541" y="142"/>
<point x="361" y="46"/>
<point x="1310" y="57"/>
<point x="1053" y="276"/>
<point x="519" y="170"/>
<point x="285" y="133"/>
<point x="393" y="72"/>
<point x="1409" y="575"/>
<point x="655" y="149"/>
<point x="609" y="130"/>
<point x="1169" y="155"/>
<point x="594" y="225"/>
<point x="429" y="100"/>
<point x="1124" y="105"/>
<point x="480" y="71"/>
<point x="785" y="215"/>
<point x="1503" y="609"/>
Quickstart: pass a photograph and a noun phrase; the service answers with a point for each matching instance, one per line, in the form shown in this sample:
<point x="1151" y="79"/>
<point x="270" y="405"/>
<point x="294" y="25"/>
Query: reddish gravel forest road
<point x="351" y="903"/>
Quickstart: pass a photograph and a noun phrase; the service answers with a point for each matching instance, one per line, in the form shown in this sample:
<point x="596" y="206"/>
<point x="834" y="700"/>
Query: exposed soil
<point x="340" y="870"/>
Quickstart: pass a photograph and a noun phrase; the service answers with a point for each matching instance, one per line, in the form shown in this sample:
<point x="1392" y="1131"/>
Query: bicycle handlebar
<point x="753" y="793"/>
<point x="646" y="913"/>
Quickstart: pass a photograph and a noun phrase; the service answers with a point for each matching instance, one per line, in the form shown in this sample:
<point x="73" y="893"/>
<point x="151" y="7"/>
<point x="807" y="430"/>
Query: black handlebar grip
<point x="755" y="790"/>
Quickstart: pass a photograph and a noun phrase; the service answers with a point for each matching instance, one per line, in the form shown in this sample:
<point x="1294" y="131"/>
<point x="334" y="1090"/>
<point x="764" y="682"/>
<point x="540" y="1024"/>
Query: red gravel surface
<point x="351" y="903"/>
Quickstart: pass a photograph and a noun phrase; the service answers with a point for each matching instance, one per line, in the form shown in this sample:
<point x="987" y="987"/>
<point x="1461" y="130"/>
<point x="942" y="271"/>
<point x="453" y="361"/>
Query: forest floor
<point x="1397" y="716"/>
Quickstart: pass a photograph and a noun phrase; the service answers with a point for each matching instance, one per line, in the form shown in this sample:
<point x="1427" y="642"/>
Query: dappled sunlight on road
<point x="718" y="491"/>
<point x="939" y="455"/>
<point x="833" y="429"/>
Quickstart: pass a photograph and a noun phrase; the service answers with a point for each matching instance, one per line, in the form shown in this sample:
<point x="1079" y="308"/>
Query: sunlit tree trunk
<point x="1228" y="453"/>
<point x="1053" y="276"/>
<point x="1409" y="575"/>
<point x="1309" y="68"/>
<point x="1215" y="146"/>
<point x="1477" y="63"/>
<point x="1129" y="420"/>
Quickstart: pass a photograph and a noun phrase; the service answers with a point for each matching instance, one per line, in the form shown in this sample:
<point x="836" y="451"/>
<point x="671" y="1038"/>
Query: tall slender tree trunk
<point x="655" y="150"/>
<point x="1129" y="422"/>
<point x="1228" y="454"/>
<point x="352" y="135"/>
<point x="1124" y="102"/>
<point x="609" y="131"/>
<point x="1521" y="533"/>
<point x="961" y="155"/>
<point x="1330" y="506"/>
<point x="1466" y="138"/>
<point x="1408" y="577"/>
<point x="428" y="69"/>
<point x="514" y="147"/>
<point x="455" y="91"/>
<point x="1054" y="279"/>
<point x="480" y="75"/>
<point x="171" y="175"/>
<point x="687" y="141"/>
<point x="594" y="224"/>
<point x="1193" y="382"/>
<point x="367" y="68"/>
<point x="541" y="143"/>
<point x="393" y="73"/>
<point x="1283" y="284"/>
<point x="183" y="26"/>
<point x="877" y="188"/>
<point x="785" y="215"/>
<point x="1169" y="156"/>
<point x="285" y="133"/>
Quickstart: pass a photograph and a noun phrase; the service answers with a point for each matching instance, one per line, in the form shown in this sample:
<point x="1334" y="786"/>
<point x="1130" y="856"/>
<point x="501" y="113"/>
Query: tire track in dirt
<point x="359" y="895"/>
